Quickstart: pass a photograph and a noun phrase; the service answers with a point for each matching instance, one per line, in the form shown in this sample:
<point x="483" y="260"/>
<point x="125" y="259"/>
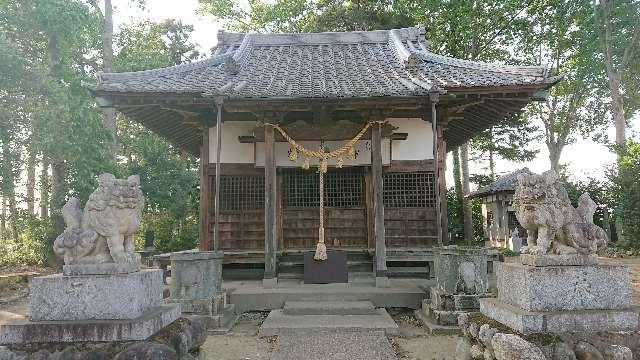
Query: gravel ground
<point x="242" y="343"/>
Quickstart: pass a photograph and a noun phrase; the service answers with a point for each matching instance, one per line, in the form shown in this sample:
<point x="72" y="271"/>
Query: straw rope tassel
<point x="321" y="248"/>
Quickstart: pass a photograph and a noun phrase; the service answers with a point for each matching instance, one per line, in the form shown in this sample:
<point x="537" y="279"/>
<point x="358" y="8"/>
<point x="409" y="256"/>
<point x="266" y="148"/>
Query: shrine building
<point x="241" y="110"/>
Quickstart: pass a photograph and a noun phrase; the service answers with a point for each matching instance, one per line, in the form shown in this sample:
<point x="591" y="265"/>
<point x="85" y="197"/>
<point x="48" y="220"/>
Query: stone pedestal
<point x="196" y="284"/>
<point x="461" y="280"/>
<point x="96" y="297"/>
<point x="106" y="307"/>
<point x="539" y="294"/>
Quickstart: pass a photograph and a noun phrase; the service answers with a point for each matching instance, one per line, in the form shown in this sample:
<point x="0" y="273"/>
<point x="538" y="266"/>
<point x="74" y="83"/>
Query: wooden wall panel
<point x="348" y="226"/>
<point x="241" y="230"/>
<point x="410" y="227"/>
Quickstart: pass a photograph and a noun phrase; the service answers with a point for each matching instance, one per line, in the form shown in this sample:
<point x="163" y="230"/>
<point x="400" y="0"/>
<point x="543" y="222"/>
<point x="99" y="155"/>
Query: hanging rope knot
<point x="346" y="150"/>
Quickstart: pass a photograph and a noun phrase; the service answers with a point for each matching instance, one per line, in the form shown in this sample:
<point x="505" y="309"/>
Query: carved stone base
<point x="558" y="260"/>
<point x="101" y="269"/>
<point x="95" y="297"/>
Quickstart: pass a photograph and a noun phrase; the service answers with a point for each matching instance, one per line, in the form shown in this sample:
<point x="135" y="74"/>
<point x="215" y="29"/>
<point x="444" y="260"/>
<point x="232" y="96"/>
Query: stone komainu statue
<point x="103" y="232"/>
<point x="553" y="225"/>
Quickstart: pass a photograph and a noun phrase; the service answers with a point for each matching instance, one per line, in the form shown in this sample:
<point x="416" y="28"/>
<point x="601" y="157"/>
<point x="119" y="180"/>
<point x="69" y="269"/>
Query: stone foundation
<point x="95" y="297"/>
<point x="528" y="322"/>
<point x="562" y="298"/>
<point x="139" y="328"/>
<point x="180" y="340"/>
<point x="563" y="288"/>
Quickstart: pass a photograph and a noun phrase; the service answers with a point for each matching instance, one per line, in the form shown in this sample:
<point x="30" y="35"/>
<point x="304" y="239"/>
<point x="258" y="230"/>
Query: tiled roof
<point x="505" y="183"/>
<point x="322" y="65"/>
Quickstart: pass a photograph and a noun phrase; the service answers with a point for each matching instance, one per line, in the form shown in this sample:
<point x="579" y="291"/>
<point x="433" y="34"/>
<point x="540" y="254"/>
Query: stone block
<point x="277" y="323"/>
<point x="447" y="265"/>
<point x="529" y="322"/>
<point x="557" y="288"/>
<point x="328" y="308"/>
<point x="139" y="328"/>
<point x="382" y="282"/>
<point x="101" y="269"/>
<point x="196" y="274"/>
<point x="444" y="317"/>
<point x="558" y="260"/>
<point x="270" y="283"/>
<point x="95" y="297"/>
<point x="466" y="302"/>
<point x="211" y="306"/>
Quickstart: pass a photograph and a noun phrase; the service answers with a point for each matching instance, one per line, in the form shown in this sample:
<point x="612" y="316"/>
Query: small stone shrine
<point x="196" y="284"/>
<point x="558" y="301"/>
<point x="461" y="280"/>
<point x="102" y="295"/>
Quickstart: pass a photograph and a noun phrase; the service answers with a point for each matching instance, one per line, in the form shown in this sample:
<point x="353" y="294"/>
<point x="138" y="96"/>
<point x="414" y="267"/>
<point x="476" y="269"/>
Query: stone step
<point x="329" y="308"/>
<point x="277" y="322"/>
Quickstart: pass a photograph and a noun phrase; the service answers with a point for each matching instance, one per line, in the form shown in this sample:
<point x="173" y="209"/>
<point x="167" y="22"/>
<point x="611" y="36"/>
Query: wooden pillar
<point x="378" y="205"/>
<point x="442" y="186"/>
<point x="216" y="199"/>
<point x="205" y="239"/>
<point x="270" y="208"/>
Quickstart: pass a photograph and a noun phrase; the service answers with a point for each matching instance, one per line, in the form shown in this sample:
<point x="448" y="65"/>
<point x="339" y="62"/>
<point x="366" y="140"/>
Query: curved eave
<point x="146" y="108"/>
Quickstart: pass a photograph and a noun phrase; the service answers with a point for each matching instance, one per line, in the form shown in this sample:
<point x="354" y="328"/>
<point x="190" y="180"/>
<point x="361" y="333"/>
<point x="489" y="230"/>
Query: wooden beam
<point x="205" y="239"/>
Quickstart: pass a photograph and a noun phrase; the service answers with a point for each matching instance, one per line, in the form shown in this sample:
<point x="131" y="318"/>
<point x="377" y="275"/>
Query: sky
<point x="584" y="158"/>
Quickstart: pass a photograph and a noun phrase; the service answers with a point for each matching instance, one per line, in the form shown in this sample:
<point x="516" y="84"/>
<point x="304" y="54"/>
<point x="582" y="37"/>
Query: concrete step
<point x="252" y="298"/>
<point x="277" y="322"/>
<point x="329" y="308"/>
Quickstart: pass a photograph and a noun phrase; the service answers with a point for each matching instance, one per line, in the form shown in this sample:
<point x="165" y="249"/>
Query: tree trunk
<point x="3" y="219"/>
<point x="31" y="181"/>
<point x="466" y="204"/>
<point x="57" y="187"/>
<point x="13" y="211"/>
<point x="457" y="179"/>
<point x="617" y="107"/>
<point x="8" y="188"/>
<point x="555" y="150"/>
<point x="109" y="114"/>
<point x="44" y="190"/>
<point x="492" y="165"/>
<point x="613" y="73"/>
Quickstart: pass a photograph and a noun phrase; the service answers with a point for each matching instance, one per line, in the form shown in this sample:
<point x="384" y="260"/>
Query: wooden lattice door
<point x="345" y="208"/>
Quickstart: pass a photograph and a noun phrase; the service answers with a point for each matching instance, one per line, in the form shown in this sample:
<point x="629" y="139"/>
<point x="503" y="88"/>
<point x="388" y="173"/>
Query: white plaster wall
<point x="363" y="148"/>
<point x="417" y="146"/>
<point x="233" y="151"/>
<point x="419" y="142"/>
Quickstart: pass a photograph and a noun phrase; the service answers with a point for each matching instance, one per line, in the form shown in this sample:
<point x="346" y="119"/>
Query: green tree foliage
<point x="626" y="181"/>
<point x="169" y="178"/>
<point x="456" y="221"/>
<point x="307" y="16"/>
<point x="48" y="52"/>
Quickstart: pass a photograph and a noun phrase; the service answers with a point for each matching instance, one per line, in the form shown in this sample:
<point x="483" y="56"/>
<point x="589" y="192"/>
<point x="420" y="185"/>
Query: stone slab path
<point x="333" y="345"/>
